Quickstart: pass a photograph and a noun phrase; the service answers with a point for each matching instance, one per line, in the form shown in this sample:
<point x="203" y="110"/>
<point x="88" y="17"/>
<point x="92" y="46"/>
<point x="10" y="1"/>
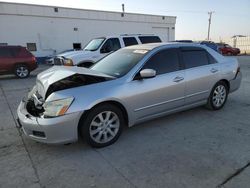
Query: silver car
<point x="129" y="86"/>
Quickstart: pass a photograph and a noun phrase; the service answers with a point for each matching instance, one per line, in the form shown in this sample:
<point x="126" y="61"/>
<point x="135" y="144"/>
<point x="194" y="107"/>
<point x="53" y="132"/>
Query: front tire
<point x="102" y="126"/>
<point x="22" y="71"/>
<point x="218" y="96"/>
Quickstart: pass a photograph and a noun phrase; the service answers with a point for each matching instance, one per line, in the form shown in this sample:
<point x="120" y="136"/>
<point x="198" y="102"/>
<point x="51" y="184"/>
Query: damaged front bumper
<point x="58" y="130"/>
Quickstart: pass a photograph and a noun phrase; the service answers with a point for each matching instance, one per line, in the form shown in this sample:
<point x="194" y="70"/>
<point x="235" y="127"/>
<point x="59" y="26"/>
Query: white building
<point x="46" y="30"/>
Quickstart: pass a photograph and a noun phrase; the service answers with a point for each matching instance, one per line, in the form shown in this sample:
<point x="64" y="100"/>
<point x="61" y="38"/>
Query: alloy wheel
<point x="104" y="127"/>
<point x="22" y="71"/>
<point x="219" y="96"/>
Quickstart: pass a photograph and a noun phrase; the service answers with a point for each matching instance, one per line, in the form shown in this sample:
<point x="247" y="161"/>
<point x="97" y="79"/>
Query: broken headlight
<point x="57" y="107"/>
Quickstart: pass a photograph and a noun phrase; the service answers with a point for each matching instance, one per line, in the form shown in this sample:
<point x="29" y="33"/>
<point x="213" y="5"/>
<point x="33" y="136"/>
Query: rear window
<point x="149" y="39"/>
<point x="211" y="59"/>
<point x="24" y="52"/>
<point x="194" y="58"/>
<point x="15" y="51"/>
<point x="129" y="41"/>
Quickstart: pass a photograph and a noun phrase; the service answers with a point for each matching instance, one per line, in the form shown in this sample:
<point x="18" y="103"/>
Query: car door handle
<point x="213" y="70"/>
<point x="178" y="79"/>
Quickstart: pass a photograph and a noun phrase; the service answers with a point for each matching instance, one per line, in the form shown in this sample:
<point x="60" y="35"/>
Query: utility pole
<point x="209" y="23"/>
<point x="123" y="10"/>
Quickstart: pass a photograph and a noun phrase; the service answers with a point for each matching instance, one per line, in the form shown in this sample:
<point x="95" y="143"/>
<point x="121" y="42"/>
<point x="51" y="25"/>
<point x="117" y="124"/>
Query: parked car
<point x="226" y="49"/>
<point x="16" y="60"/>
<point x="183" y="41"/>
<point x="211" y="45"/>
<point x="50" y="59"/>
<point x="129" y="86"/>
<point x="98" y="48"/>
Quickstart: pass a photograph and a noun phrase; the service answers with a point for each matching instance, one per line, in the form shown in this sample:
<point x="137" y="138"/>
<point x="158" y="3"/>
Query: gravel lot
<point x="196" y="148"/>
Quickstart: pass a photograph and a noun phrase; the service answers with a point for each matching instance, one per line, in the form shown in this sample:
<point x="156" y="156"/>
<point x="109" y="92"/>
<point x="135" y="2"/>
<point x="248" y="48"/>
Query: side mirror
<point x="147" y="73"/>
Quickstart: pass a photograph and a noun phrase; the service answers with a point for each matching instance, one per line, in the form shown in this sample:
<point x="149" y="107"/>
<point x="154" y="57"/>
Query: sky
<point x="229" y="17"/>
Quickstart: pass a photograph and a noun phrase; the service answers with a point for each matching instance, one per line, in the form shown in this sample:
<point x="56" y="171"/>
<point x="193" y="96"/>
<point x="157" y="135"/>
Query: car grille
<point x="58" y="61"/>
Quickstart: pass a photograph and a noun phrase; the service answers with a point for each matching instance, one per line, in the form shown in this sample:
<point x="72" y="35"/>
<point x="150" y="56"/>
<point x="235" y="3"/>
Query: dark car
<point x="210" y="44"/>
<point x="184" y="41"/>
<point x="226" y="49"/>
<point x="16" y="60"/>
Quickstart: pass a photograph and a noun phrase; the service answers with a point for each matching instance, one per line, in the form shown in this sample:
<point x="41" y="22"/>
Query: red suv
<point x="226" y="49"/>
<point x="17" y="60"/>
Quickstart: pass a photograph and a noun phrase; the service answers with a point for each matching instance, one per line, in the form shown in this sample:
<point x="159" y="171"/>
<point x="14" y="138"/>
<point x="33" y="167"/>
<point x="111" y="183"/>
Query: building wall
<point x="57" y="31"/>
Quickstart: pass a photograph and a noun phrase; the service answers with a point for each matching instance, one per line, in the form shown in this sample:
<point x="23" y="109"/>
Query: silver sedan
<point x="131" y="85"/>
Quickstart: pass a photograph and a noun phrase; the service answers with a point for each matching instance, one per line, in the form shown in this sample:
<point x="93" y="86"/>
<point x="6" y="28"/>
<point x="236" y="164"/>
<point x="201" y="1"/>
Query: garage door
<point x="162" y="32"/>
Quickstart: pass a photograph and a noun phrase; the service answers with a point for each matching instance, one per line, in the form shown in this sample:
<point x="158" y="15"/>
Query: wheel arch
<point x="19" y="63"/>
<point x="226" y="82"/>
<point x="113" y="102"/>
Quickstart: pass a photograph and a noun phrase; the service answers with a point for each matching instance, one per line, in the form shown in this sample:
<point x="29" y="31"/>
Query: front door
<point x="164" y="92"/>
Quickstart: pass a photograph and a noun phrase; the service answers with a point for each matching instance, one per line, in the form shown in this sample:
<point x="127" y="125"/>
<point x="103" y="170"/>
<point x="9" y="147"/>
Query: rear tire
<point x="218" y="96"/>
<point x="22" y="71"/>
<point x="102" y="126"/>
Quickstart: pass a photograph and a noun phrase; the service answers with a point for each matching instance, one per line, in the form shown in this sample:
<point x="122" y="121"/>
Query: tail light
<point x="238" y="69"/>
<point x="237" y="72"/>
<point x="33" y="58"/>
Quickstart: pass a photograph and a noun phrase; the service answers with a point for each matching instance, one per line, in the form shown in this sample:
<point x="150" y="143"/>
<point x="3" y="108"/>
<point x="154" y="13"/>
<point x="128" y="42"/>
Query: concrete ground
<point x="196" y="148"/>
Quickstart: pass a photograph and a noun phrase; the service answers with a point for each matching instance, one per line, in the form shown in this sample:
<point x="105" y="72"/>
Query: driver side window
<point x="110" y="45"/>
<point x="164" y="61"/>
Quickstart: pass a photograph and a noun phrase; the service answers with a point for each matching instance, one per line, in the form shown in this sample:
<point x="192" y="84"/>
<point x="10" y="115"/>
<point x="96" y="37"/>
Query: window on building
<point x="111" y="45"/>
<point x="194" y="58"/>
<point x="31" y="47"/>
<point x="55" y="9"/>
<point x="164" y="61"/>
<point x="129" y="41"/>
<point x="77" y="46"/>
<point x="149" y="39"/>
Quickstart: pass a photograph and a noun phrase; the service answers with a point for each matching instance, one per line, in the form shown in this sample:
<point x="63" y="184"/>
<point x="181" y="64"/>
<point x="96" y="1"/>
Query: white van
<point x="98" y="48"/>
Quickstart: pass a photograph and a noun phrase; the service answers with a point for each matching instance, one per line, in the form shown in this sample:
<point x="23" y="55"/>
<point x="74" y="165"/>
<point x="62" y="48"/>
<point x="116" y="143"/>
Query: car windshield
<point x="94" y="44"/>
<point x="120" y="62"/>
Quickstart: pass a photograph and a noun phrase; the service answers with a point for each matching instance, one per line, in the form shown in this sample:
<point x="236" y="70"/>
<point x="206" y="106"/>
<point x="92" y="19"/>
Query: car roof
<point x="127" y="35"/>
<point x="151" y="46"/>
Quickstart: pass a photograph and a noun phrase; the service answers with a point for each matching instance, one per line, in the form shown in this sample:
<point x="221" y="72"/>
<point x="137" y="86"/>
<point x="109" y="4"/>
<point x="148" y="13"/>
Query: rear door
<point x="164" y="92"/>
<point x="201" y="73"/>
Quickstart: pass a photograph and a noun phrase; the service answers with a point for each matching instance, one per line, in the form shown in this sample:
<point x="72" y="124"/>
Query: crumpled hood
<point x="56" y="73"/>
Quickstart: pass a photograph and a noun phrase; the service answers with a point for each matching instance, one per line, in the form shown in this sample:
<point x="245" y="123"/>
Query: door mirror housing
<point x="147" y="73"/>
